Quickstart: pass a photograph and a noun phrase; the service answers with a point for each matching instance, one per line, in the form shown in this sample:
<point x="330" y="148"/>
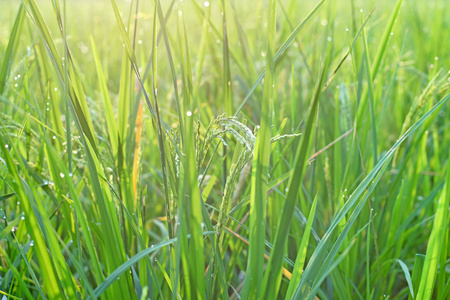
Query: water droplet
<point x="31" y="243"/>
<point x="22" y="217"/>
<point x="15" y="78"/>
<point x="431" y="66"/>
<point x="13" y="229"/>
<point x="61" y="174"/>
<point x="324" y="22"/>
<point x="54" y="137"/>
<point x="329" y="38"/>
<point x="346" y="29"/>
<point x="189" y="113"/>
<point x="48" y="108"/>
<point x="70" y="174"/>
<point x="6" y="146"/>
<point x="206" y="4"/>
<point x="56" y="89"/>
<point x="16" y="85"/>
<point x="140" y="42"/>
<point x="361" y="10"/>
<point x="18" y="202"/>
<point x="286" y="190"/>
<point x="392" y="33"/>
<point x="63" y="58"/>
<point x="436" y="58"/>
<point x="263" y="54"/>
<point x="18" y="76"/>
<point x="180" y="13"/>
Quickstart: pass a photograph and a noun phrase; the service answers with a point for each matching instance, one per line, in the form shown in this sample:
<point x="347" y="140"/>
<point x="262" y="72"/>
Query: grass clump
<point x="224" y="150"/>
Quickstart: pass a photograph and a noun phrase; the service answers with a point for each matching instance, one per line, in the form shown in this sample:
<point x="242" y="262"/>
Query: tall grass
<point x="224" y="149"/>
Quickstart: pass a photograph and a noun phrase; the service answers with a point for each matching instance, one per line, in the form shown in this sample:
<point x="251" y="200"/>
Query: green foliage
<point x="224" y="150"/>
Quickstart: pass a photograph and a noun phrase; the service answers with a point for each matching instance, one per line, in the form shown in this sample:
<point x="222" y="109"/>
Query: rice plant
<point x="273" y="149"/>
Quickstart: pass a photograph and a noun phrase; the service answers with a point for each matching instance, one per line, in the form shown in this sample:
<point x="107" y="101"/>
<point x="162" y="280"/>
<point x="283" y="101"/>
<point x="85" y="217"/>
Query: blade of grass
<point x="260" y="171"/>
<point x="11" y="48"/>
<point x="109" y="114"/>
<point x="371" y="99"/>
<point x="437" y="241"/>
<point x="301" y="255"/>
<point x="407" y="276"/>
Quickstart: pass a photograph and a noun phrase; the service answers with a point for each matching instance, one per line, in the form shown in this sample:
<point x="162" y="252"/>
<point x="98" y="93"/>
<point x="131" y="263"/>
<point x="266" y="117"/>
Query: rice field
<point x="192" y="149"/>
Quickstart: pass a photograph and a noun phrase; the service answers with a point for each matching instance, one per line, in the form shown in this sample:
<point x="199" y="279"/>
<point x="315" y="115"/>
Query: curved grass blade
<point x="113" y="277"/>
<point x="11" y="48"/>
<point x="407" y="276"/>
